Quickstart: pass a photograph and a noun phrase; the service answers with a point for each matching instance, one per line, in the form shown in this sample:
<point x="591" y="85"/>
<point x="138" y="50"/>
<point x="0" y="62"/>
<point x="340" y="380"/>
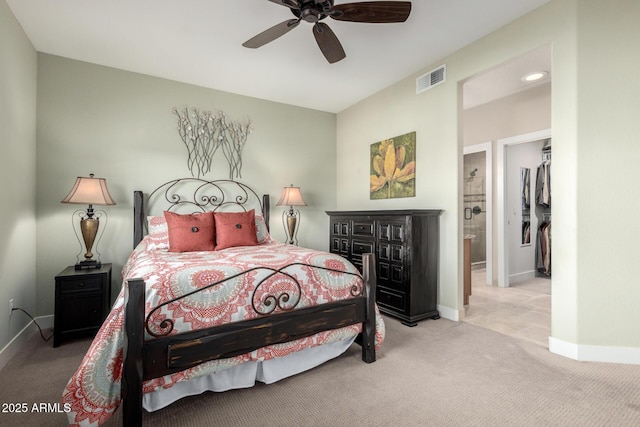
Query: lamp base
<point x="291" y="222"/>
<point x="88" y="265"/>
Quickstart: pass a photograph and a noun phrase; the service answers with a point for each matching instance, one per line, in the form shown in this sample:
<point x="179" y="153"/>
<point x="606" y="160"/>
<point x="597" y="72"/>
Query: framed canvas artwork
<point x="393" y="168"/>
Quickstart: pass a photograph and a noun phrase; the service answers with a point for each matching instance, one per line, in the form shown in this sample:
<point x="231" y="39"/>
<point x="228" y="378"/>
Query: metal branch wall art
<point x="204" y="133"/>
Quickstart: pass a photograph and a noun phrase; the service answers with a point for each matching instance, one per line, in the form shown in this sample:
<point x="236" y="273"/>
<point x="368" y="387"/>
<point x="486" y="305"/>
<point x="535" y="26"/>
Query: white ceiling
<point x="200" y="42"/>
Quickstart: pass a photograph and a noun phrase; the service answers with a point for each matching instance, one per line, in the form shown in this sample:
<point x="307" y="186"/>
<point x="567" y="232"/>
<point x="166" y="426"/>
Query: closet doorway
<point x="497" y="104"/>
<point x="517" y="258"/>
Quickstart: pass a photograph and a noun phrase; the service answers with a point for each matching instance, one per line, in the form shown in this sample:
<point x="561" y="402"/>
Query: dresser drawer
<point x="363" y="228"/>
<point x="390" y="299"/>
<point x="359" y="247"/>
<point x="81" y="284"/>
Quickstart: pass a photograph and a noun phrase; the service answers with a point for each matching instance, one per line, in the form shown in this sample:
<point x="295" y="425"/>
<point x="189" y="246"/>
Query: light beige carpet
<point x="440" y="373"/>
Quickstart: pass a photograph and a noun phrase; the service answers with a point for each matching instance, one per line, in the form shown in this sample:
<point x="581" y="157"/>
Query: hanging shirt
<point x="543" y="184"/>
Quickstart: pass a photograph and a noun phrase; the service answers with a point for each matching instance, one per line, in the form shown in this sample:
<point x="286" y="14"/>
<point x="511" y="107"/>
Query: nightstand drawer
<point x="81" y="284"/>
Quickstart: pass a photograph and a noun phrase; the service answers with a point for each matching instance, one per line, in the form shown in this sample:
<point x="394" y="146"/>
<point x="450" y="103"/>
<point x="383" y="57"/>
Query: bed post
<point x="138" y="217"/>
<point x="265" y="209"/>
<point x="369" y="326"/>
<point x="132" y="370"/>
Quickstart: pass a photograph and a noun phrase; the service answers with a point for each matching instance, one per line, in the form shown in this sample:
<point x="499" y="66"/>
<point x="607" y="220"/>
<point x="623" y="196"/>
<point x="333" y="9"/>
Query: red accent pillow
<point x="190" y="232"/>
<point x="235" y="229"/>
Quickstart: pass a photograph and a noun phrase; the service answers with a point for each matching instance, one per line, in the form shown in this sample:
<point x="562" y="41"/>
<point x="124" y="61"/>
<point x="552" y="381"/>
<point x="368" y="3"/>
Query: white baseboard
<point x="595" y="353"/>
<point x="45" y="322"/>
<point x="521" y="277"/>
<point x="450" y="313"/>
<point x="17" y="342"/>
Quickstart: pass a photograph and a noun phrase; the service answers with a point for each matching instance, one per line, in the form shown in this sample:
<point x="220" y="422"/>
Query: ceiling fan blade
<point x="328" y="43"/>
<point x="271" y="34"/>
<point x="377" y="12"/>
<point x="291" y="4"/>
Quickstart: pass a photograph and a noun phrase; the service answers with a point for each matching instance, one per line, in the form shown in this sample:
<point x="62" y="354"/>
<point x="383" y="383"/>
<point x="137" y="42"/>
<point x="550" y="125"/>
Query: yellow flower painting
<point x="393" y="168"/>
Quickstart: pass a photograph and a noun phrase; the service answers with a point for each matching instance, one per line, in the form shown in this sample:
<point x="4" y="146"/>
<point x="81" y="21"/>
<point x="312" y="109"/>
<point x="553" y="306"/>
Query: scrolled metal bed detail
<point x="166" y="325"/>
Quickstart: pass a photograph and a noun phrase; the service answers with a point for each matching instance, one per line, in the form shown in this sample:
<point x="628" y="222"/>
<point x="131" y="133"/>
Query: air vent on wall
<point x="431" y="79"/>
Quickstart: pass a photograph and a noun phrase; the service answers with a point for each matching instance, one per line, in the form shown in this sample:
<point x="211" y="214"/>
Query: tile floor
<point x="522" y="310"/>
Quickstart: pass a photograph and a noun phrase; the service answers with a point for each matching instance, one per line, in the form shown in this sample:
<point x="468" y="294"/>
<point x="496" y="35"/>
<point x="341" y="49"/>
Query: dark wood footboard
<point x="168" y="354"/>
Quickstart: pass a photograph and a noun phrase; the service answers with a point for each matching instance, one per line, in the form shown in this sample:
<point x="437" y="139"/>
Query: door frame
<point x="487" y="147"/>
<point x="501" y="160"/>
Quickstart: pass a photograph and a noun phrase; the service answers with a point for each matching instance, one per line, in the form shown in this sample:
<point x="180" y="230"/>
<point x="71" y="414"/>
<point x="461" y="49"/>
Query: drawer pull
<point x="81" y="284"/>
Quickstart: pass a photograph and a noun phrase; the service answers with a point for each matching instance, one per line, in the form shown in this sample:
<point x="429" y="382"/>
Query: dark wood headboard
<point x="195" y="195"/>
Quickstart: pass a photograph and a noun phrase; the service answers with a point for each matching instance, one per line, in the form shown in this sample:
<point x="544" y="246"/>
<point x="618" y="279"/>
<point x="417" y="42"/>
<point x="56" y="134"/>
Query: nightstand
<point x="82" y="302"/>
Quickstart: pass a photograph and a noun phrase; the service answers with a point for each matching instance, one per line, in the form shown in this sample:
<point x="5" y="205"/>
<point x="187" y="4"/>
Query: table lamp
<point x="291" y="197"/>
<point x="91" y="191"/>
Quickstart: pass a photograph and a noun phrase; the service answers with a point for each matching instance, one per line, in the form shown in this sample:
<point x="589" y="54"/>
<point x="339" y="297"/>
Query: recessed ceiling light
<point x="536" y="75"/>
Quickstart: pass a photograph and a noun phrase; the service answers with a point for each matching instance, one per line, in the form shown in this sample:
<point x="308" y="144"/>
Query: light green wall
<point x="595" y="128"/>
<point x="608" y="155"/>
<point x="119" y="126"/>
<point x="18" y="79"/>
<point x="396" y="111"/>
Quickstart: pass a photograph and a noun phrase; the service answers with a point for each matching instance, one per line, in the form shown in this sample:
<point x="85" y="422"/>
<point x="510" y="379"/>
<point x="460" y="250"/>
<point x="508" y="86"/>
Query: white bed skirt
<point x="245" y="375"/>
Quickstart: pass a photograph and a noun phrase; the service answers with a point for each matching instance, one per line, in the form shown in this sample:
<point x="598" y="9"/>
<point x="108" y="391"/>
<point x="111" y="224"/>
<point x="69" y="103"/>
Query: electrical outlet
<point x="10" y="305"/>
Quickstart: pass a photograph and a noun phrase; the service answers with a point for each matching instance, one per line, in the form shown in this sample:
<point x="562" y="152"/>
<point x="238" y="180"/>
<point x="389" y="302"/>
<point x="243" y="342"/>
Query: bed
<point x="193" y="318"/>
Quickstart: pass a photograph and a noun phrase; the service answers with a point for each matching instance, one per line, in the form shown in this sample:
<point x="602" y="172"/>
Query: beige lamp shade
<point x="89" y="191"/>
<point x="291" y="196"/>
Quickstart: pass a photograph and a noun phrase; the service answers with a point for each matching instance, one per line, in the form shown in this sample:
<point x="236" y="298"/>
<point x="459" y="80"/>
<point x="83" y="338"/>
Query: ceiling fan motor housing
<point x="310" y="15"/>
<point x="313" y="11"/>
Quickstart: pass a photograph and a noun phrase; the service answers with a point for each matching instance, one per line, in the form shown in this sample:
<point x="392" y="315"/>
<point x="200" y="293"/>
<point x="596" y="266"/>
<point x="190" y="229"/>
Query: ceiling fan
<point x="314" y="11"/>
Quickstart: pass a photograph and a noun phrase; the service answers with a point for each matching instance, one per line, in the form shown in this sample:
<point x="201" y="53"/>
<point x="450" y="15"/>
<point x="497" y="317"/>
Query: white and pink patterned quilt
<point x="93" y="392"/>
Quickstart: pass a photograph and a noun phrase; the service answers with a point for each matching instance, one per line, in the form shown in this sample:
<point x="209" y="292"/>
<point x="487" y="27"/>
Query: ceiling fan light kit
<point x="313" y="11"/>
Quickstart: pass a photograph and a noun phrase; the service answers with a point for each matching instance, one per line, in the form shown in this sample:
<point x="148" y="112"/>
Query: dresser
<point x="406" y="246"/>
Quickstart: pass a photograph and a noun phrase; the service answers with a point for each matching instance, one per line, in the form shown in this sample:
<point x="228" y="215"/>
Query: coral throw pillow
<point x="235" y="229"/>
<point x="191" y="232"/>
